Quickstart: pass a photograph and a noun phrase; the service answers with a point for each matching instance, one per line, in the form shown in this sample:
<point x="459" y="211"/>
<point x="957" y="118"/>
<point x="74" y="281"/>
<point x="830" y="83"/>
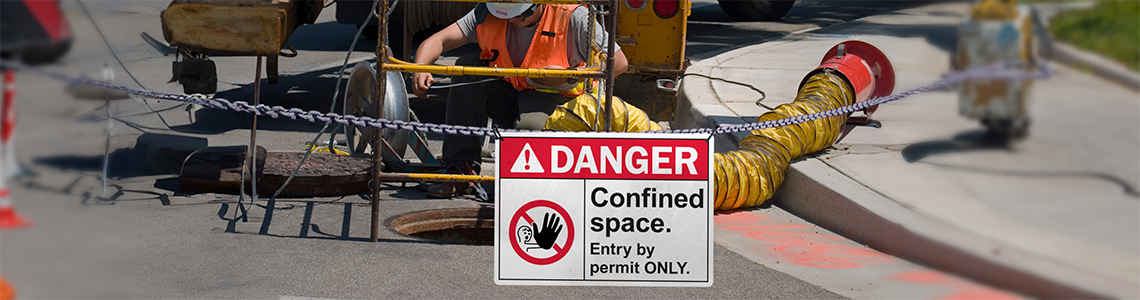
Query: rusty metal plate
<point x="229" y="28"/>
<point x="216" y="170"/>
<point x="323" y="174"/>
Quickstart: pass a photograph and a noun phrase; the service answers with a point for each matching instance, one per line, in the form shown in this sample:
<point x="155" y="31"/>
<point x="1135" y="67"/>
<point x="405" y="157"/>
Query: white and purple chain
<point x="995" y="71"/>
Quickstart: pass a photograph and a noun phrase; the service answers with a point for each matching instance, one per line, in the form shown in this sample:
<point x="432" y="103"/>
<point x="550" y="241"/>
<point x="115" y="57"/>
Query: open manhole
<point x="469" y="226"/>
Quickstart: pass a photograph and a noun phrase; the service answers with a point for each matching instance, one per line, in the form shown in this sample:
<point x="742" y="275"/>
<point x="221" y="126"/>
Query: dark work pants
<point x="470" y="105"/>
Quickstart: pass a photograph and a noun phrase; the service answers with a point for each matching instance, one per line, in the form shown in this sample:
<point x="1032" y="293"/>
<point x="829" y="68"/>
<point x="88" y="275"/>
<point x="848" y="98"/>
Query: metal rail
<point x="434" y="177"/>
<point x="396" y="65"/>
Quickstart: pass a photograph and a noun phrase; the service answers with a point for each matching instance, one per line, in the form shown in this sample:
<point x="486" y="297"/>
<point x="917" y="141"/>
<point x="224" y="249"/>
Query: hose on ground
<point x="750" y="175"/>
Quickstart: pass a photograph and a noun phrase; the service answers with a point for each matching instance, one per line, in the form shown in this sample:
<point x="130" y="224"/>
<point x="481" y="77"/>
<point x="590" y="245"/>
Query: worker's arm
<point x="430" y="50"/>
<point x="620" y="63"/>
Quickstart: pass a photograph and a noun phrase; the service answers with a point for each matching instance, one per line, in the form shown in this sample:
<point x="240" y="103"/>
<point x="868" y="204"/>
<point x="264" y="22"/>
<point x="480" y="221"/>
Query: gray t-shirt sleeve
<point x="467" y="26"/>
<point x="579" y="27"/>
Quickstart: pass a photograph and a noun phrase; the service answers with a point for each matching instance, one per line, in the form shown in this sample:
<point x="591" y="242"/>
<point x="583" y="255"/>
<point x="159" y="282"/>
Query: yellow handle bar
<point x="397" y="65"/>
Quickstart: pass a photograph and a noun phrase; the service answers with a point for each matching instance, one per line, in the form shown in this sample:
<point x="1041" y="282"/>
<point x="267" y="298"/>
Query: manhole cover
<point x="322" y="175"/>
<point x="469" y="226"/>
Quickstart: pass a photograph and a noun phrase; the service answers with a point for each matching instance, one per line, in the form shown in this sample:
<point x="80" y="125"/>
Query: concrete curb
<point x="1103" y="67"/>
<point x="1080" y="59"/>
<point x="826" y="197"/>
<point x="830" y="199"/>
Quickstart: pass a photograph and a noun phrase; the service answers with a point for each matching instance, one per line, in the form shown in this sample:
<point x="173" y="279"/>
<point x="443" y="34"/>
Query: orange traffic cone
<point x="7" y="292"/>
<point x="9" y="219"/>
<point x="8" y="126"/>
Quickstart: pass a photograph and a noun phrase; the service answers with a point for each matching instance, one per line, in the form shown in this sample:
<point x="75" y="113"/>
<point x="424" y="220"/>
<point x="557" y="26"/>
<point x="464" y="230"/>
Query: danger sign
<point x="604" y="209"/>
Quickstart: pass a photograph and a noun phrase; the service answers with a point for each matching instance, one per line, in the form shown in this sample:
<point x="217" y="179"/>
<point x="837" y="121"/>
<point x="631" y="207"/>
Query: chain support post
<point x="611" y="29"/>
<point x="252" y="156"/>
<point x="381" y="86"/>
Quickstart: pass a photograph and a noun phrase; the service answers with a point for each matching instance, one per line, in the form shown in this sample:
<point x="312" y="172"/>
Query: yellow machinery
<point x="652" y="36"/>
<point x="998" y="31"/>
<point x="202" y="28"/>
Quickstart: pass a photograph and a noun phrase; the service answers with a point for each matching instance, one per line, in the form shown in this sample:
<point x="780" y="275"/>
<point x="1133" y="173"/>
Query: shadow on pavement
<point x="942" y="36"/>
<point x="711" y="30"/>
<point x="974" y="140"/>
<point x="980" y="140"/>
<point x="123" y="163"/>
<point x="329" y="36"/>
<point x="307" y="226"/>
<point x="307" y="91"/>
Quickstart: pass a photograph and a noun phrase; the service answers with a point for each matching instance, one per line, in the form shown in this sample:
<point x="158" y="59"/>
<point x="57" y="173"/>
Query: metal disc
<point x="360" y="100"/>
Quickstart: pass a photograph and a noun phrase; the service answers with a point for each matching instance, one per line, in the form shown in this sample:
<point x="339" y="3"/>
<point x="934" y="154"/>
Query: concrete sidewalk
<point x="1054" y="215"/>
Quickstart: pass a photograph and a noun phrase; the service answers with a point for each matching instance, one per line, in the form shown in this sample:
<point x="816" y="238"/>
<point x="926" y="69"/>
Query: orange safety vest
<point x="547" y="47"/>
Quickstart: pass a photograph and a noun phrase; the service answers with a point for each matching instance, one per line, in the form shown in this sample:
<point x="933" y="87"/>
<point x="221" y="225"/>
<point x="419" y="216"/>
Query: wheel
<point x="360" y="100"/>
<point x="48" y="53"/>
<point x="1007" y="130"/>
<point x="756" y="10"/>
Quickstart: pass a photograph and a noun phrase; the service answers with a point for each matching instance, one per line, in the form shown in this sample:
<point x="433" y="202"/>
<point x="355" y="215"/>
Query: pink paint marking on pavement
<point x="792" y="243"/>
<point x="961" y="289"/>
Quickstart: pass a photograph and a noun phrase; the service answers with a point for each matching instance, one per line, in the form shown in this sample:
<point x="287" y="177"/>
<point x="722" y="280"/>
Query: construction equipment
<point x="203" y="28"/>
<point x="998" y="31"/>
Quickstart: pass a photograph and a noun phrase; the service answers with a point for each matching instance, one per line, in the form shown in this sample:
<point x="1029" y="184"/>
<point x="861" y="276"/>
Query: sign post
<point x="604" y="209"/>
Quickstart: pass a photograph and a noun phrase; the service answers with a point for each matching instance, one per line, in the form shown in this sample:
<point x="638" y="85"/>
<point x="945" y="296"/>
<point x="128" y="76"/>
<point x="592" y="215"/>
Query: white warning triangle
<point x="527" y="162"/>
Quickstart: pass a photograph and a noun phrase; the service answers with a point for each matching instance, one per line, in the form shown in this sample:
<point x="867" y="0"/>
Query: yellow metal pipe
<point x="433" y="177"/>
<point x="402" y="66"/>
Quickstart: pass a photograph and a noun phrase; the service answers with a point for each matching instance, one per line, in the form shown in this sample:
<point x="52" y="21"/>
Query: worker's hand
<point x="421" y="83"/>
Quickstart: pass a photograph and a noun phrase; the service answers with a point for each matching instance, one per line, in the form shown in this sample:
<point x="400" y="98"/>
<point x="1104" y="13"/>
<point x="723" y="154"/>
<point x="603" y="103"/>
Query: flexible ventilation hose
<point x="851" y="71"/>
<point x="749" y="176"/>
<point x="586" y="113"/>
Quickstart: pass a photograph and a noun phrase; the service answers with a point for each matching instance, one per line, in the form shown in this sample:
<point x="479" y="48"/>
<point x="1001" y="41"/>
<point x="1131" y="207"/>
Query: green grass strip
<point x="1111" y="28"/>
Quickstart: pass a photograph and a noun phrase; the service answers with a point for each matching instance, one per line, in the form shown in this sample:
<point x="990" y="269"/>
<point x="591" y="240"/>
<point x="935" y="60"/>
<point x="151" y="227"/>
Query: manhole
<point x="469" y="226"/>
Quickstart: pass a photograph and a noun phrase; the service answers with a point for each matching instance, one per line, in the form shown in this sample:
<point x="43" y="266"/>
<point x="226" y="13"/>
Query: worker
<point x="522" y="35"/>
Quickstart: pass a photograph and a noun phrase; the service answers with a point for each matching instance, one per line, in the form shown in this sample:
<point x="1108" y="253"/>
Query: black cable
<point x="92" y="19"/>
<point x="336" y="92"/>
<point x="107" y="43"/>
<point x="762" y="94"/>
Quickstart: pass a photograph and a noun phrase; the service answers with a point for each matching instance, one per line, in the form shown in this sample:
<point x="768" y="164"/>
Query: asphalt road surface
<point x="144" y="239"/>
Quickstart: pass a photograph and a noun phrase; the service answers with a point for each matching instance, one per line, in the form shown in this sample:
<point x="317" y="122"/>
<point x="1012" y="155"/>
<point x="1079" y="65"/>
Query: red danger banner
<point x="604" y="158"/>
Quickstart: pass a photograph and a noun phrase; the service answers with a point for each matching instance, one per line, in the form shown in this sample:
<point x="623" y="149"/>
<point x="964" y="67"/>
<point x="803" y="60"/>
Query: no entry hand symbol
<point x="547" y="237"/>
